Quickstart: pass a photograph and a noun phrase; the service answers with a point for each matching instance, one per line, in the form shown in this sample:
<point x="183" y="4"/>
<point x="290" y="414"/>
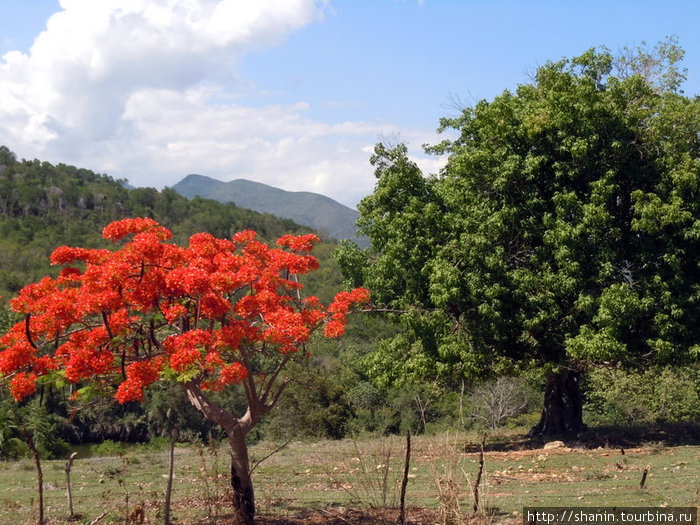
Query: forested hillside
<point x="43" y="206"/>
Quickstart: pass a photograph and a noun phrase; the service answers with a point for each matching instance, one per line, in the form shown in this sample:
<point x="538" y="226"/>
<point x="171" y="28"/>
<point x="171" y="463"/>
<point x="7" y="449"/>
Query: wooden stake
<point x="171" y="464"/>
<point x="478" y="474"/>
<point x="404" y="482"/>
<point x="69" y="465"/>
<point x="644" y="477"/>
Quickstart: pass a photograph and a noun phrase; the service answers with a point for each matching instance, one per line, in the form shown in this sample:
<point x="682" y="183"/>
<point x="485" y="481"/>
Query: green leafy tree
<point x="563" y="232"/>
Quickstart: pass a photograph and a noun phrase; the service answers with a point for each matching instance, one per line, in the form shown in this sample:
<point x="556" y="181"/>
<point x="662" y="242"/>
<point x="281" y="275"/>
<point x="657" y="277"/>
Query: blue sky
<point x="292" y="93"/>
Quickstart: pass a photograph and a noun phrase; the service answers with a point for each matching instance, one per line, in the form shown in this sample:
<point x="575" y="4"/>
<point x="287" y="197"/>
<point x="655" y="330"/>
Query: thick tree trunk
<point x="241" y="482"/>
<point x="236" y="430"/>
<point x="563" y="406"/>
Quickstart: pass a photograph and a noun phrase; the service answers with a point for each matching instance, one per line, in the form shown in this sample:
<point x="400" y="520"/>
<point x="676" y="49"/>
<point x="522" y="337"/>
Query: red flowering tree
<point x="214" y="313"/>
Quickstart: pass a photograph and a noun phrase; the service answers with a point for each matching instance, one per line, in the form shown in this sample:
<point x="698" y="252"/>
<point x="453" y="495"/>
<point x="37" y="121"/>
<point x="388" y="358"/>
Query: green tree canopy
<point x="563" y="231"/>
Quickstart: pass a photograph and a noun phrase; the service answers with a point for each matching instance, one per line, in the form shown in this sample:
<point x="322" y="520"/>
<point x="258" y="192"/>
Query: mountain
<point x="311" y="209"/>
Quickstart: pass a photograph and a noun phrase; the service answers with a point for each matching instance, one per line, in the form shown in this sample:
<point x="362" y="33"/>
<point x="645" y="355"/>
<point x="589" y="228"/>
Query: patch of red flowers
<point x="149" y="310"/>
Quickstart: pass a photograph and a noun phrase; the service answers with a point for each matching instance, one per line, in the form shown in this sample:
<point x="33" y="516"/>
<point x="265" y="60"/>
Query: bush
<point x="155" y="444"/>
<point x="314" y="406"/>
<point x="657" y="395"/>
<point x="107" y="448"/>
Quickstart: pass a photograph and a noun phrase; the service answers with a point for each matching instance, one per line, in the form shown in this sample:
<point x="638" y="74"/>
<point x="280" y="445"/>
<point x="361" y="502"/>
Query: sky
<point x="291" y="93"/>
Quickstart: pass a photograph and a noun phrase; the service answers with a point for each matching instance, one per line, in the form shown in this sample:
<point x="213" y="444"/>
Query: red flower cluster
<point x="187" y="349"/>
<point x="120" y="229"/>
<point x="150" y="309"/>
<point x="138" y="376"/>
<point x="23" y="385"/>
<point x="340" y="307"/>
<point x="301" y="243"/>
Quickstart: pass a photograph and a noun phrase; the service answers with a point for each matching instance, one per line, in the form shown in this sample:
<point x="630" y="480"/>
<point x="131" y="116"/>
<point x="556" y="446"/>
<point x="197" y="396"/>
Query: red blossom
<point x="299" y="243"/>
<point x="16" y="357"/>
<point x="129" y="314"/>
<point x="187" y="281"/>
<point x="44" y="365"/>
<point x="244" y="236"/>
<point x="233" y="373"/>
<point x="213" y="306"/>
<point x="186" y="350"/>
<point x="129" y="391"/>
<point x="139" y="375"/>
<point x="67" y="254"/>
<point x="22" y="385"/>
<point x="343" y="301"/>
<point x="120" y="229"/>
<point x="174" y="312"/>
<point x="70" y="274"/>
<point x="334" y="329"/>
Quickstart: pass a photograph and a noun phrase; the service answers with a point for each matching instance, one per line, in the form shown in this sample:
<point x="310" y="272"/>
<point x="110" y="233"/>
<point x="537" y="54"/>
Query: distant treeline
<point x="43" y="206"/>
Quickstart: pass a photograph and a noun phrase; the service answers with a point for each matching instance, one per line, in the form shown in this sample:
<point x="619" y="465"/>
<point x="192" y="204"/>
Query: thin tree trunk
<point x="562" y="413"/>
<point x="39" y="473"/>
<point x="479" y="474"/>
<point x="241" y="482"/>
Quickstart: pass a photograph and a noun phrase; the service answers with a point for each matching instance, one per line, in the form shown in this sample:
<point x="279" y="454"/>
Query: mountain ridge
<point x="307" y="208"/>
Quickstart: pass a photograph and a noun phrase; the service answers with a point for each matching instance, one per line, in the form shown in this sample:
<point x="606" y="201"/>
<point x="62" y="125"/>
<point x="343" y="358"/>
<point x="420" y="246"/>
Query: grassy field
<point x="332" y="478"/>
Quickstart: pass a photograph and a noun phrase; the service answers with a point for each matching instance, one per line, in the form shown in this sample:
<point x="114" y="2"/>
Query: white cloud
<point x="275" y="144"/>
<point x="147" y="90"/>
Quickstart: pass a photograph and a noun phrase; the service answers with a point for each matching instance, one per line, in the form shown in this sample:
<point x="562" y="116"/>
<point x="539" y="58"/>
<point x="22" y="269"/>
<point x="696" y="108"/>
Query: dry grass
<point x="349" y="481"/>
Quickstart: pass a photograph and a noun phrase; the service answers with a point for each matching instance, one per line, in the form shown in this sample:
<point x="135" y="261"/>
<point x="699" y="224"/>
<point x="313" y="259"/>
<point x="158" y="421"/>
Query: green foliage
<point x="11" y="445"/>
<point x="108" y="448"/>
<point x="41" y="425"/>
<point x="314" y="406"/>
<point x="168" y="407"/>
<point x="564" y="229"/>
<point x="155" y="444"/>
<point x="7" y="318"/>
<point x="656" y="395"/>
<point x="106" y="420"/>
<point x="43" y="206"/>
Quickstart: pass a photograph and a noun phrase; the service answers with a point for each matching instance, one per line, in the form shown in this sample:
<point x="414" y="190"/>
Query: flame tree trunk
<point x="241" y="482"/>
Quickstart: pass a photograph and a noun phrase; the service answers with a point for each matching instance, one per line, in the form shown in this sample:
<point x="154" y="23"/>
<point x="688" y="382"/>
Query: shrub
<point x="617" y="397"/>
<point x="107" y="448"/>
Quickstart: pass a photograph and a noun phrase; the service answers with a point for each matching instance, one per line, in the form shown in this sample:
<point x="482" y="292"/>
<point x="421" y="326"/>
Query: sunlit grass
<point x="351" y="473"/>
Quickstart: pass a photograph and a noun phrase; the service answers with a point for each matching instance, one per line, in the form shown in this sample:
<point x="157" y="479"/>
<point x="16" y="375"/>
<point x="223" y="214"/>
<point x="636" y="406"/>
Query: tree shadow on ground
<point x="617" y="436"/>
<point x="368" y="516"/>
<point x="338" y="516"/>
